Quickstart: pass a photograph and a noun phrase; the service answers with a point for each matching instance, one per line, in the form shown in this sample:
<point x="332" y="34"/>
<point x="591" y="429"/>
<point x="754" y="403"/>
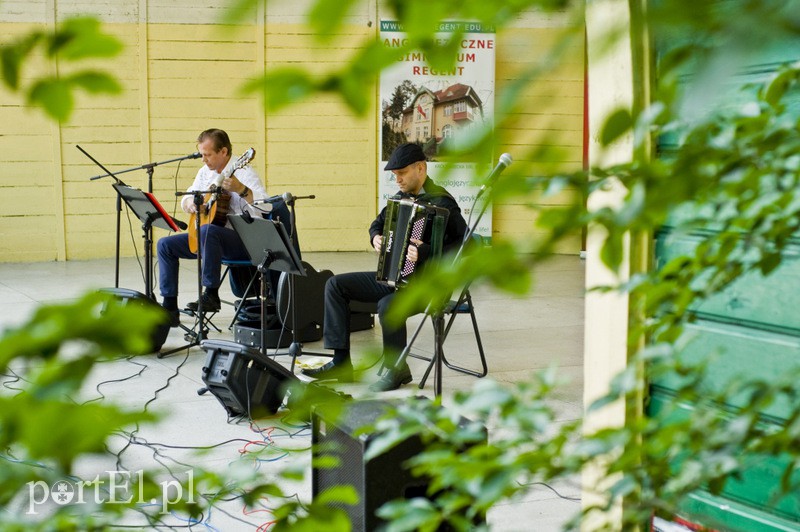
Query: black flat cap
<point x="404" y="155"/>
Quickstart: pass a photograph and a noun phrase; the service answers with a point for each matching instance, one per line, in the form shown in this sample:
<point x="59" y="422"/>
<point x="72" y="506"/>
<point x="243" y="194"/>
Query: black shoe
<point x="174" y="317"/>
<point x="342" y="372"/>
<point x="210" y="303"/>
<point x="393" y="379"/>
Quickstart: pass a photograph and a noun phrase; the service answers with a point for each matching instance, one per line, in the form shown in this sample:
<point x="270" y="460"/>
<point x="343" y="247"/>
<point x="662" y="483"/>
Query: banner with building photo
<point x="436" y="109"/>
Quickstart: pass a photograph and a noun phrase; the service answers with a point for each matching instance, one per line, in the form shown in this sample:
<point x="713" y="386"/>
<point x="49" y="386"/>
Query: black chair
<point x="462" y="305"/>
<point x="244" y="281"/>
<point x="243" y="273"/>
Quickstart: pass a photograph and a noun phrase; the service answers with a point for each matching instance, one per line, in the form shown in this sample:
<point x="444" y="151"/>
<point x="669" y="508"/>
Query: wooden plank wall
<point x="182" y="71"/>
<point x="550" y="117"/>
<point x="318" y="147"/>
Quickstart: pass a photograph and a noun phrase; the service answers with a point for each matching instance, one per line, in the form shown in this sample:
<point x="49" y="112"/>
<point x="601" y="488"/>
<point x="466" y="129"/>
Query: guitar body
<point x="214" y="209"/>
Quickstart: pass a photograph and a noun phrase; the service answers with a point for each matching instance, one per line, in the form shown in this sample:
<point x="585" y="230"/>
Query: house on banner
<point x="433" y="118"/>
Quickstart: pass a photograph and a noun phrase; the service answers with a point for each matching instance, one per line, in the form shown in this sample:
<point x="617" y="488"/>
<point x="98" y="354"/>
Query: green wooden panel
<point x="722" y="513"/>
<point x="734" y="354"/>
<point x="751" y="329"/>
<point x="749" y="503"/>
<point x="768" y="303"/>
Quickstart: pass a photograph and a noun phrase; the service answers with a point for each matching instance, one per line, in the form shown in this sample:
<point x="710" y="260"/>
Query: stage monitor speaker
<point x="376" y="481"/>
<point x="132" y="297"/>
<point x="242" y="380"/>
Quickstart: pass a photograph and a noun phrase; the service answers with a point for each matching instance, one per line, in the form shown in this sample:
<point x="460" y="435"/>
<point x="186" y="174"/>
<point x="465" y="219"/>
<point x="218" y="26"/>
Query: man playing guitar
<point x="241" y="186"/>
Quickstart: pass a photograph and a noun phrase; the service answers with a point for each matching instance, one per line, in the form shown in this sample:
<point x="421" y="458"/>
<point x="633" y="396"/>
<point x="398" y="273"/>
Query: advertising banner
<point x="436" y="109"/>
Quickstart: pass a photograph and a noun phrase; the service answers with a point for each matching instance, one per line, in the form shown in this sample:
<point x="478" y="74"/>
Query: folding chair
<point x="238" y="273"/>
<point x="195" y="333"/>
<point x="463" y="305"/>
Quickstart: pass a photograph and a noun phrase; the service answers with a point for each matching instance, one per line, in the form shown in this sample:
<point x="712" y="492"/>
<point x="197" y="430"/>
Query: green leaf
<point x="13" y="56"/>
<point x="612" y="251"/>
<point x="327" y="16"/>
<point x="281" y="87"/>
<point x="413" y="514"/>
<point x="11" y="62"/>
<point x="239" y="11"/>
<point x="617" y="124"/>
<point x="36" y="424"/>
<point x="345" y="494"/>
<point x="54" y="95"/>
<point x="780" y="85"/>
<point x="81" y="38"/>
<point x="95" y="82"/>
<point x="334" y="519"/>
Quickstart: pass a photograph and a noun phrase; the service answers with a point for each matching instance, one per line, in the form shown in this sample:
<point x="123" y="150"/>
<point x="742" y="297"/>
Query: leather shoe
<point x="174" y="317"/>
<point x="342" y="372"/>
<point x="393" y="379"/>
<point x="211" y="303"/>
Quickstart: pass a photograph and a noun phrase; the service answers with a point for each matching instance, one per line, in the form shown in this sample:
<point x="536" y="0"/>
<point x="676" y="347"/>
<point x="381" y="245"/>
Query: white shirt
<point x="206" y="177"/>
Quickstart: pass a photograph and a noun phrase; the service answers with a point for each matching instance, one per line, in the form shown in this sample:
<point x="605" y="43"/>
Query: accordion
<point x="406" y="220"/>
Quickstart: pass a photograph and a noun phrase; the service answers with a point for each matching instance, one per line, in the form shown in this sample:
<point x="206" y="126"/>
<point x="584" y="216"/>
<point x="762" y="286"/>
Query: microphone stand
<point x="118" y="208"/>
<point x="295" y="348"/>
<point x="149" y="168"/>
<point x="195" y="337"/>
<point x="144" y="166"/>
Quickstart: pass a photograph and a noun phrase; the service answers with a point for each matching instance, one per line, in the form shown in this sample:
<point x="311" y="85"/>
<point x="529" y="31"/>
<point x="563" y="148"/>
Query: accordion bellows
<point x="405" y="220"/>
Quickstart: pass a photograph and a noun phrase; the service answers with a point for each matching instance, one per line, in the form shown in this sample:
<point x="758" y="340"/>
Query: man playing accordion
<point x="408" y="164"/>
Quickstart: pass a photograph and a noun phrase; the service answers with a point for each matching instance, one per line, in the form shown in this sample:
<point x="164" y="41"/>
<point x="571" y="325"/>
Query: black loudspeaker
<point x="132" y="297"/>
<point x="310" y="296"/>
<point x="376" y="481"/>
<point x="242" y="381"/>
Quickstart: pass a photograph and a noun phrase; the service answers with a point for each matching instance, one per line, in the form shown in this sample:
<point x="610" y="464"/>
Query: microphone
<point x="504" y="162"/>
<point x="289" y="198"/>
<point x="195" y="155"/>
<point x="270" y="199"/>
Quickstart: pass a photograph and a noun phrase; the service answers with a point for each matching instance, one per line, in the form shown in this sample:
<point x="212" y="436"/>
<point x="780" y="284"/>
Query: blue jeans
<point x="216" y="243"/>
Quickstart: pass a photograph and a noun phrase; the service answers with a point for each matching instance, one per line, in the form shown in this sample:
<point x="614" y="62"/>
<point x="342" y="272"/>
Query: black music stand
<point x="270" y="248"/>
<point x="296" y="348"/>
<point x="150" y="212"/>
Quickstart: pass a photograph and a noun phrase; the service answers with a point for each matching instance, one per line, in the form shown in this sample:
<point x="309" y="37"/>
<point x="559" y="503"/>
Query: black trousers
<point x="360" y="286"/>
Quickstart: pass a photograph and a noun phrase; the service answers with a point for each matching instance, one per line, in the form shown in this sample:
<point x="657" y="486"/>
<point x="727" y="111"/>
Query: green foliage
<point x="53" y="353"/>
<point x="473" y="472"/>
<point x="728" y="176"/>
<point x="74" y="40"/>
<point x="616" y="125"/>
<point x="45" y="429"/>
<point x="733" y="171"/>
<point x="321" y="514"/>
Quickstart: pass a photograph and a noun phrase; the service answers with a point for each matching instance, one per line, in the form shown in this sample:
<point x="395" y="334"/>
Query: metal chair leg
<point x="242" y="301"/>
<point x="465" y="297"/>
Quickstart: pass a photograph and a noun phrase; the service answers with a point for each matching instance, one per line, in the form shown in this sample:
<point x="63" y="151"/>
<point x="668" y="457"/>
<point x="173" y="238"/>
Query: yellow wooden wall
<point x="549" y="117"/>
<point x="182" y="71"/>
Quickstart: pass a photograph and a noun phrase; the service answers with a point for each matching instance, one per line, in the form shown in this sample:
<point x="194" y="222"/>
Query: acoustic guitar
<point x="215" y="205"/>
